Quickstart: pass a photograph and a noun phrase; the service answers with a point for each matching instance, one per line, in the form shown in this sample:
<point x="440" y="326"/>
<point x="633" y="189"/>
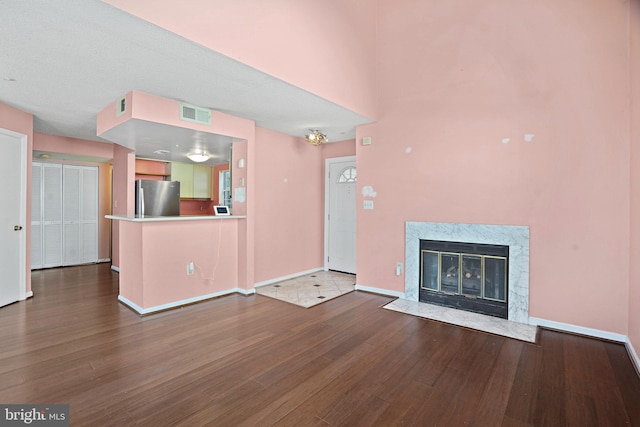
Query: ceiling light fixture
<point x="199" y="156"/>
<point x="315" y="137"/>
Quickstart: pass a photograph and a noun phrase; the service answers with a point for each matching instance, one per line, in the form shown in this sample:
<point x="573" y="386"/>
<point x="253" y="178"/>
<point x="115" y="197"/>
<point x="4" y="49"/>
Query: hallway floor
<point x="311" y="289"/>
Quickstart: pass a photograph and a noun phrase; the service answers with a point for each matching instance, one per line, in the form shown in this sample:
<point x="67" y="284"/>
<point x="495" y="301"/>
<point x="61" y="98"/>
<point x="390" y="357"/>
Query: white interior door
<point x="80" y="213"/>
<point x="89" y="214"/>
<point x="36" y="216"/>
<point x="46" y="215"/>
<point x="71" y="242"/>
<point x="13" y="217"/>
<point x="51" y="214"/>
<point x="340" y="223"/>
<point x="64" y="215"/>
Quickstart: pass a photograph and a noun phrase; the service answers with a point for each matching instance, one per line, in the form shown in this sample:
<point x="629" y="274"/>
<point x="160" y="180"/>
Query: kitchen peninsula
<point x="167" y="262"/>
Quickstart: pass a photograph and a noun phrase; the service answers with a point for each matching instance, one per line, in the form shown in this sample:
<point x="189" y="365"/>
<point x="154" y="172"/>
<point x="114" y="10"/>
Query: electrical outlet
<point x="190" y="269"/>
<point x="367" y="204"/>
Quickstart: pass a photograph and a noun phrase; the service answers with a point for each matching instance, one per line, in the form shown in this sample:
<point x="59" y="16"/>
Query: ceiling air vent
<point x="121" y="106"/>
<point x="191" y="113"/>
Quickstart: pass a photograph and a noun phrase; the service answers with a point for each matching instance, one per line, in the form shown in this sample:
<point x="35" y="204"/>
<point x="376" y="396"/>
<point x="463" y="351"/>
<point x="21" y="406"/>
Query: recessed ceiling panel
<point x="150" y="140"/>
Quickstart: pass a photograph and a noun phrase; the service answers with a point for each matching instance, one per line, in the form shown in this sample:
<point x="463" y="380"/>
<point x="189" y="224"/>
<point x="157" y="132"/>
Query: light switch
<point x="190" y="268"/>
<point x="366" y="140"/>
<point x="368" y="204"/>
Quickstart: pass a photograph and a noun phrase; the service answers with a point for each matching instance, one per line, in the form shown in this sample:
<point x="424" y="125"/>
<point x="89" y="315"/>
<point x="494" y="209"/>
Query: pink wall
<point x="108" y="118"/>
<point x="123" y="193"/>
<point x="455" y="79"/>
<point x="196" y="207"/>
<point x="339" y="149"/>
<point x="289" y="205"/>
<point x="282" y="38"/>
<point x="81" y="147"/>
<point x="21" y="122"/>
<point x="156" y="109"/>
<point x="243" y="150"/>
<point x="155" y="256"/>
<point x="634" y="287"/>
<point x="240" y="154"/>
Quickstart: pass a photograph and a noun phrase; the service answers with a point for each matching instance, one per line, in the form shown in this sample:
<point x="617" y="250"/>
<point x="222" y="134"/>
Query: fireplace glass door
<point x="474" y="276"/>
<point x="495" y="270"/>
<point x="447" y="276"/>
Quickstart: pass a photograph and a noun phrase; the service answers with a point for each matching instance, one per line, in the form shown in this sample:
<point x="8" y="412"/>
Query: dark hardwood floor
<point x="256" y="361"/>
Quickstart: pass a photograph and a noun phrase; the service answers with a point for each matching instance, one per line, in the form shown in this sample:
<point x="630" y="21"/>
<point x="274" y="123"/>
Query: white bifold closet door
<point x="46" y="215"/>
<point x="80" y="214"/>
<point x="64" y="215"/>
<point x="36" y="214"/>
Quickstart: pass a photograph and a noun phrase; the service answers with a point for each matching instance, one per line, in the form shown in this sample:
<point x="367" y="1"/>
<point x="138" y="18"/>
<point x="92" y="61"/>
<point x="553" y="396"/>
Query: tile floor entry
<point x="311" y="289"/>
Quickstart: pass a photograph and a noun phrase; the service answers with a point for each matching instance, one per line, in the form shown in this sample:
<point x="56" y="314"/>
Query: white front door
<point x="340" y="247"/>
<point x="13" y="227"/>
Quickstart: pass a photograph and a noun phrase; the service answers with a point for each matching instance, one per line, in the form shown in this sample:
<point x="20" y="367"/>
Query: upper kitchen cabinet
<point x="202" y="181"/>
<point x="195" y="180"/>
<point x="152" y="169"/>
<point x="183" y="172"/>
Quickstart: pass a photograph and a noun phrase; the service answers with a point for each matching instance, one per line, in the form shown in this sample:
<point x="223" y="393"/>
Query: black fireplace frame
<point x="477" y="305"/>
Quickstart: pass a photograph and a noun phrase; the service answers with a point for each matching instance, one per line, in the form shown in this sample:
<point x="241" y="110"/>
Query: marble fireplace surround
<point x="514" y="236"/>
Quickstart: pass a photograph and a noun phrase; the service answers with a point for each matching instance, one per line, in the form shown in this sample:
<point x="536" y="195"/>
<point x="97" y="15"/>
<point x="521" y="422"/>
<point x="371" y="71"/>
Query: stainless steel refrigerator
<point x="157" y="198"/>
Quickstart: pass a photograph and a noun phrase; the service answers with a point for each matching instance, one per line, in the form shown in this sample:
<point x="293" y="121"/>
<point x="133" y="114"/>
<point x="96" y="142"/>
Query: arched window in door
<point x="347" y="175"/>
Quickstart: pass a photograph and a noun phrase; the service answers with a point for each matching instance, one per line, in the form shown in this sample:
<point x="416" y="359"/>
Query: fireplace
<point x="513" y="239"/>
<point x="466" y="276"/>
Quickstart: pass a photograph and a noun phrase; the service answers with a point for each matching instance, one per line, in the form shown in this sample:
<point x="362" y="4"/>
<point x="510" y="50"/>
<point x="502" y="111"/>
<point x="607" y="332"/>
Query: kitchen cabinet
<point x="195" y="180"/>
<point x="201" y="182"/>
<point x="183" y="172"/>
<point x="152" y="169"/>
<point x="64" y="215"/>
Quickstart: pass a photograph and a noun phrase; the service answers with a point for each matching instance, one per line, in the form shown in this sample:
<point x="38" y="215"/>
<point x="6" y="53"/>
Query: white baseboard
<point x="135" y="307"/>
<point x="633" y="355"/>
<point x="290" y="276"/>
<point x="566" y="327"/>
<point x="104" y="260"/>
<point x="180" y="303"/>
<point x="28" y="294"/>
<point x="115" y="268"/>
<point x="380" y="291"/>
<point x="245" y="292"/>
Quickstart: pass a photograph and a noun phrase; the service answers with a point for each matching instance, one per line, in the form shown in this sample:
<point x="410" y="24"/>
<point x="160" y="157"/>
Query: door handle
<point x="17" y="227"/>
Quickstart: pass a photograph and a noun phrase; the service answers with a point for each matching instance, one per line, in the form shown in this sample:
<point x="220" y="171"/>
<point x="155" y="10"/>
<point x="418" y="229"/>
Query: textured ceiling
<point x="64" y="61"/>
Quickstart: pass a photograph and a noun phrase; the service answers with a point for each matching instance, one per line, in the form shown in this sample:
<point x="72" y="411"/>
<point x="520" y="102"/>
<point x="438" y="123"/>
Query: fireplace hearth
<point x="514" y="237"/>
<point x="466" y="276"/>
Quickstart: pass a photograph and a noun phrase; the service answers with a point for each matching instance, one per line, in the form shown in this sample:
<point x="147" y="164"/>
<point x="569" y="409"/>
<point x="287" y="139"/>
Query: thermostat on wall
<point x="221" y="210"/>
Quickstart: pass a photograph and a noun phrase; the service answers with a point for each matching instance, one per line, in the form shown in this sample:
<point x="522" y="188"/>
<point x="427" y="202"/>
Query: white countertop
<point x="134" y="218"/>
